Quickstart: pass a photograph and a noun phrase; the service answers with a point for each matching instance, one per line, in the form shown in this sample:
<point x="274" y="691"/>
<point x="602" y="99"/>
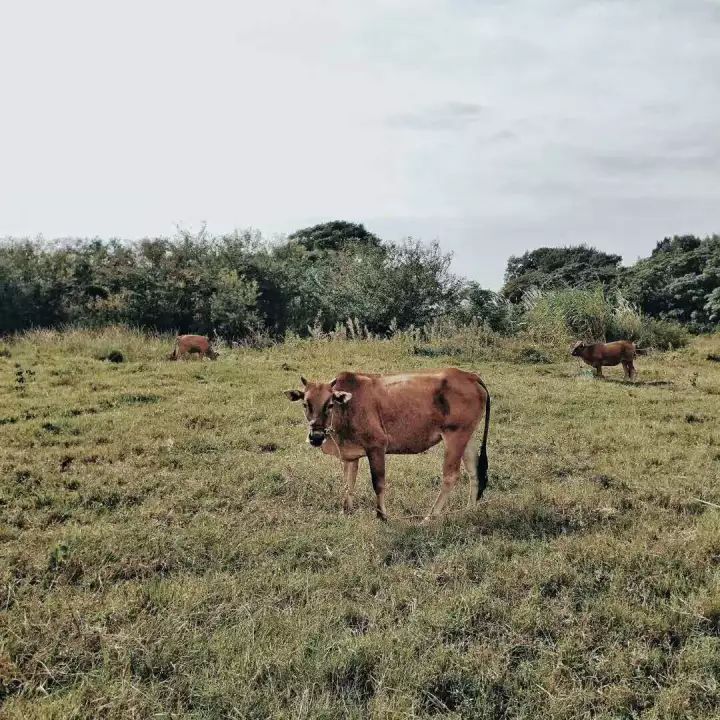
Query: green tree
<point x="486" y="307"/>
<point x="679" y="281"/>
<point x="233" y="306"/>
<point x="336" y="236"/>
<point x="398" y="285"/>
<point x="547" y="268"/>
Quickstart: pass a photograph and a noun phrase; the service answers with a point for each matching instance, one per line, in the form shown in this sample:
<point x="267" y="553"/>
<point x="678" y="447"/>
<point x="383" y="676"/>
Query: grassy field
<point x="171" y="547"/>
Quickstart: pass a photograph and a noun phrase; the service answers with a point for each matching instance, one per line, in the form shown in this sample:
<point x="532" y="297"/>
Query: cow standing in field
<point x="364" y="415"/>
<point x="614" y="353"/>
<point x="192" y="344"/>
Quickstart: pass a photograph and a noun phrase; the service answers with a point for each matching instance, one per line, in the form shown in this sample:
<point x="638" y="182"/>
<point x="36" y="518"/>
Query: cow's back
<point x="412" y="410"/>
<point x="619" y="350"/>
<point x="192" y="343"/>
<point x="611" y="353"/>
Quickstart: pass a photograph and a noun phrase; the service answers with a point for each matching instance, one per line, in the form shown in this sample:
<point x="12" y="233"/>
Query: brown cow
<point x="192" y="344"/>
<point x="614" y="353"/>
<point x="364" y="415"/>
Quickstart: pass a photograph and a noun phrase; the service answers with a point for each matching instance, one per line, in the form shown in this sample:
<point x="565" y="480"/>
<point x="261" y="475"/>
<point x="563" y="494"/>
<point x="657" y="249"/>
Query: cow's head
<point x="318" y="402"/>
<point x="578" y="348"/>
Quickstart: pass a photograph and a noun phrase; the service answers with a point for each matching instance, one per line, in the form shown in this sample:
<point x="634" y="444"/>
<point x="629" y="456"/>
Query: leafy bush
<point x="679" y="281"/>
<point x="248" y="290"/>
<point x="551" y="268"/>
<point x="559" y="317"/>
<point x="232" y="306"/>
<point x="488" y="308"/>
<point x="626" y="321"/>
<point x="234" y="284"/>
<point x="662" y="335"/>
<point x="98" y="343"/>
<point x="563" y="315"/>
<point x="533" y="355"/>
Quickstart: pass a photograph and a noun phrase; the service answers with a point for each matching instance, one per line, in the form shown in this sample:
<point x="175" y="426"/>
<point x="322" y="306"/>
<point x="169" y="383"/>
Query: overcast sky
<point x="494" y="127"/>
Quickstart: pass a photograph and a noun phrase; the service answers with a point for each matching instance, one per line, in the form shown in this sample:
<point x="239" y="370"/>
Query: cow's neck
<point x="339" y="426"/>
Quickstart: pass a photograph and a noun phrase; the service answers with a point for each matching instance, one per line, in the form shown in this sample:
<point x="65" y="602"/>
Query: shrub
<point x="488" y="308"/>
<point x="662" y="335"/>
<point x="626" y="321"/>
<point x="447" y="337"/>
<point x="232" y="306"/>
<point x="98" y="343"/>
<point x="533" y="355"/>
<point x="559" y="317"/>
<point x="679" y="281"/>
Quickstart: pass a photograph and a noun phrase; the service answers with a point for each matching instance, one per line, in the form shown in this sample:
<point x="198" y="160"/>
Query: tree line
<point x="238" y="285"/>
<point x="680" y="280"/>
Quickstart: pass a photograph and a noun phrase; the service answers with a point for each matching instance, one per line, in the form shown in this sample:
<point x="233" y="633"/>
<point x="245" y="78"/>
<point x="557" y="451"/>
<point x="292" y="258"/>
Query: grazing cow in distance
<point x="365" y="415"/>
<point x="613" y="353"/>
<point x="192" y="345"/>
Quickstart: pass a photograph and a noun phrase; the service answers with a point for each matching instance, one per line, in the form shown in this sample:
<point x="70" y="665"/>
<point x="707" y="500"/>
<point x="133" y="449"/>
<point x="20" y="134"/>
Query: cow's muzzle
<point x="316" y="437"/>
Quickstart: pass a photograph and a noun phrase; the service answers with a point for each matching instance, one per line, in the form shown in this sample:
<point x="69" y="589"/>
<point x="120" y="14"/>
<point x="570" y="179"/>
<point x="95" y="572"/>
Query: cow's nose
<point x="316" y="437"/>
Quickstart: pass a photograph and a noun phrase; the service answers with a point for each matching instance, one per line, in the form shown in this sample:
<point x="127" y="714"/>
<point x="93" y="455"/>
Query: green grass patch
<point x="171" y="547"/>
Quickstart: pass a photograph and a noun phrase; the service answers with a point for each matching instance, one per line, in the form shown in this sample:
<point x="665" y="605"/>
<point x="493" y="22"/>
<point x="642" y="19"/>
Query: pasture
<point x="170" y="547"/>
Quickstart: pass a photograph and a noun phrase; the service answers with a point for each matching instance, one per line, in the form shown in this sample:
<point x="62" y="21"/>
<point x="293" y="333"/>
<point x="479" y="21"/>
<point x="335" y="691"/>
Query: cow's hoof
<point x="381" y="516"/>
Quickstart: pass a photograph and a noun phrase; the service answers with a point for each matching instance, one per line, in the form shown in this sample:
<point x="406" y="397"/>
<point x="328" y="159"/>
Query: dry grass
<point x="170" y="546"/>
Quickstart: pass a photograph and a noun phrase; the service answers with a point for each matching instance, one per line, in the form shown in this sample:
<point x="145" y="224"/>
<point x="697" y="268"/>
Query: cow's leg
<point x="455" y="443"/>
<point x="377" y="473"/>
<point x="350" y="470"/>
<point x="629" y="369"/>
<point x="598" y="370"/>
<point x="470" y="461"/>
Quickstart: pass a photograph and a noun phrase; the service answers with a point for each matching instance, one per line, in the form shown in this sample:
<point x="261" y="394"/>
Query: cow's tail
<point x="174" y="354"/>
<point x="482" y="461"/>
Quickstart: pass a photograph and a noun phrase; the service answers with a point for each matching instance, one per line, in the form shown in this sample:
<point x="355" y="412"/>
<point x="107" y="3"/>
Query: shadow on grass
<point x="638" y="383"/>
<point x="417" y="545"/>
<point x="535" y="521"/>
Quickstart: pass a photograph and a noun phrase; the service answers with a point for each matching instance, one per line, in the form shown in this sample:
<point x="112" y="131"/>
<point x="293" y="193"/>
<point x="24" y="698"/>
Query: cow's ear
<point x="303" y="381"/>
<point x="341" y="398"/>
<point x="294" y="395"/>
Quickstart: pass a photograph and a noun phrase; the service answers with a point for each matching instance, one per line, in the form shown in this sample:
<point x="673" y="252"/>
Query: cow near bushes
<point x="198" y="345"/>
<point x="598" y="355"/>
